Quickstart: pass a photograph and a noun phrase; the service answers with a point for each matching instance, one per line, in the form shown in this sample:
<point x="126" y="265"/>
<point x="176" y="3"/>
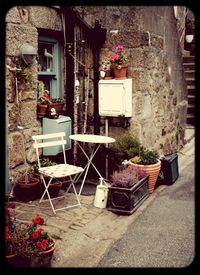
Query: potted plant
<point x="128" y="189"/>
<point x="128" y="147"/>
<point x="55" y="185"/>
<point x="29" y="242"/>
<point x="105" y="65"/>
<point x="124" y="148"/>
<point x="27" y="187"/>
<point x="43" y="99"/>
<point x="119" y="62"/>
<point x="148" y="160"/>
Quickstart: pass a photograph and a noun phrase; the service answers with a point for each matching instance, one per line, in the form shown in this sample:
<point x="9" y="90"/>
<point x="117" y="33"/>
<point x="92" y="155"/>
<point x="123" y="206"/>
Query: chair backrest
<point x="42" y="141"/>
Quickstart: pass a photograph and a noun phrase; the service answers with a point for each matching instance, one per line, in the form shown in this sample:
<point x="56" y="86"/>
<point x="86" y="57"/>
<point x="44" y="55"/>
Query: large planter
<point x="169" y="171"/>
<point x="127" y="200"/>
<point x="39" y="259"/>
<point x="11" y="259"/>
<point x="120" y="71"/>
<point x="54" y="188"/>
<point x="152" y="170"/>
<point x="28" y="191"/>
<point x="43" y="259"/>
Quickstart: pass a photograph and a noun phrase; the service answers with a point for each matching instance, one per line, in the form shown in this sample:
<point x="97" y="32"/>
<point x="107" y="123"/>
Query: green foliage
<point x="128" y="147"/>
<point x="25" y="75"/>
<point x="57" y="100"/>
<point x="146" y="156"/>
<point x="44" y="162"/>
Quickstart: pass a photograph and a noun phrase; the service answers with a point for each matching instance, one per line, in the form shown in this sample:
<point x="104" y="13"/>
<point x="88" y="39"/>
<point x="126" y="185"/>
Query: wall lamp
<point x="28" y="53"/>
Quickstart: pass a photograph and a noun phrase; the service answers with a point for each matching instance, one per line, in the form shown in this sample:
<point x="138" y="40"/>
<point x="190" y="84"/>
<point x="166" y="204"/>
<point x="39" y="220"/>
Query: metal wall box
<point x="115" y="97"/>
<point x="61" y="124"/>
<point x="169" y="170"/>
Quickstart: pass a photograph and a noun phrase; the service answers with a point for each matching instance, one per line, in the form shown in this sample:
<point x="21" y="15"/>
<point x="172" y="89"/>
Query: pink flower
<point x="119" y="47"/>
<point x="115" y="56"/>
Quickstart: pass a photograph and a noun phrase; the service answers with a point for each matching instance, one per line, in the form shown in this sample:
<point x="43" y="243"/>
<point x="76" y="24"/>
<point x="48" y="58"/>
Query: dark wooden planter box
<point x="127" y="200"/>
<point x="169" y="171"/>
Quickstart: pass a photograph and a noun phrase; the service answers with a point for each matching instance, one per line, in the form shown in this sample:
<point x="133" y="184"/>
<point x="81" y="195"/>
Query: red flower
<point x="35" y="235"/>
<point x="7" y="235"/>
<point x="38" y="220"/>
<point x="42" y="244"/>
<point x="40" y="230"/>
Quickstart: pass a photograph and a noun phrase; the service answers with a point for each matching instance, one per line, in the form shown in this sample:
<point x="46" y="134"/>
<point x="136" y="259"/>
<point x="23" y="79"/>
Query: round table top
<point x="92" y="138"/>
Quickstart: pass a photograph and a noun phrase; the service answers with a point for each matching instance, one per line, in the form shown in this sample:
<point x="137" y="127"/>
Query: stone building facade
<point x="159" y="97"/>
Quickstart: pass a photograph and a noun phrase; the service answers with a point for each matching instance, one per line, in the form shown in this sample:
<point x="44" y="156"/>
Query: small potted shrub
<point x="128" y="189"/>
<point x="148" y="161"/>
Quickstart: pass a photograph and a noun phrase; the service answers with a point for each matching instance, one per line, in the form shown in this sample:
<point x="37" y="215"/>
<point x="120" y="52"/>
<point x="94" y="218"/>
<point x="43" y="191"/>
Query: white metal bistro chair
<point x="56" y="171"/>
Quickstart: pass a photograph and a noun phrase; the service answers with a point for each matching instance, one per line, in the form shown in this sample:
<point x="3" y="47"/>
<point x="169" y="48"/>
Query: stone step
<point x="190" y="74"/>
<point x="191" y="90"/>
<point x="190" y="120"/>
<point x="190" y="81"/>
<point x="188" y="59"/>
<point x="191" y="99"/>
<point x="189" y="66"/>
<point x="191" y="109"/>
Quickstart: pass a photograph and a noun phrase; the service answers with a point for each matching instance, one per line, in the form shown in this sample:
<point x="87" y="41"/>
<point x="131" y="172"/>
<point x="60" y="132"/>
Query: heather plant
<point x="127" y="177"/>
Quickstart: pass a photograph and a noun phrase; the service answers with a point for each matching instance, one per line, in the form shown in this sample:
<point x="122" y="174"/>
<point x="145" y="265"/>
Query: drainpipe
<point x="69" y="48"/>
<point x="99" y="37"/>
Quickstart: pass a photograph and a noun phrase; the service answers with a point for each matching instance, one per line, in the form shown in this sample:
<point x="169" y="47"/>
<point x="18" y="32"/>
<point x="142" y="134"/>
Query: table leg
<point x="93" y="153"/>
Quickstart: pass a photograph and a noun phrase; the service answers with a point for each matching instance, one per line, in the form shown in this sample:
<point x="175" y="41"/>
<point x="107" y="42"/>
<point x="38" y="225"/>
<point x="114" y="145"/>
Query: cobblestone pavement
<point x="86" y="233"/>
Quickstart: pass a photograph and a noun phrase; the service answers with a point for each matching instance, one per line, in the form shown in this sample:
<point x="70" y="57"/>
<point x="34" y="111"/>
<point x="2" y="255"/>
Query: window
<point x="49" y="65"/>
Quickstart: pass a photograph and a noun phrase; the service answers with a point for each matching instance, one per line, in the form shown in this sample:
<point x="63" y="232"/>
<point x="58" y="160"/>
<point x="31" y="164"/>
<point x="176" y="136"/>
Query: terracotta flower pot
<point x="152" y="170"/>
<point x="41" y="110"/>
<point x="120" y="71"/>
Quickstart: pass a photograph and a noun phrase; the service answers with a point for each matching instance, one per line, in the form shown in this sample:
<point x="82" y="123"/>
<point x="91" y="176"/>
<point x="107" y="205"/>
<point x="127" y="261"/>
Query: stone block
<point x="16" y="35"/>
<point x="15" y="145"/>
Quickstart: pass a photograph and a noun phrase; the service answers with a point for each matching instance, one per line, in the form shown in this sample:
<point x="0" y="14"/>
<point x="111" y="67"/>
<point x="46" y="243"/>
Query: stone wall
<point x="150" y="37"/>
<point x="22" y="25"/>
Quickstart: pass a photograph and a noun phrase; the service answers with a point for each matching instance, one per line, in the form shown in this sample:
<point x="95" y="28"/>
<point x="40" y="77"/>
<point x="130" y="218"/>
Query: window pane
<point x="45" y="55"/>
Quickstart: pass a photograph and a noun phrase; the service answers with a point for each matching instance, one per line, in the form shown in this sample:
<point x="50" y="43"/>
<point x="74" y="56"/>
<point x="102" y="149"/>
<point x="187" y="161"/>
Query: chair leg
<point x="72" y="183"/>
<point x="46" y="191"/>
<point x="50" y="199"/>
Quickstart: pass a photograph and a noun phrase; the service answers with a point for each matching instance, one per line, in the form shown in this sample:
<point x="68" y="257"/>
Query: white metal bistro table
<point x="96" y="140"/>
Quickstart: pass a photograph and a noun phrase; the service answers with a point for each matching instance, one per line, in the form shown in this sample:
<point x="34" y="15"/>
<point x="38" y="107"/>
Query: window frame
<point x="54" y="76"/>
